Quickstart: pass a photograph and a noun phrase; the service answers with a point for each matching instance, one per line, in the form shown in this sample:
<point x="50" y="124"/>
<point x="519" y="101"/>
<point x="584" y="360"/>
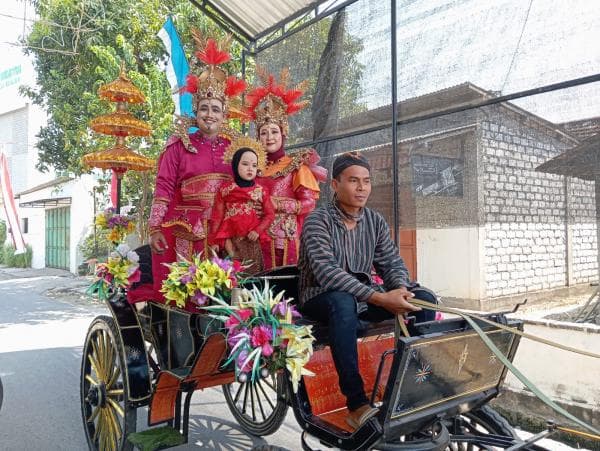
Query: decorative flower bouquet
<point x="262" y="336"/>
<point x="119" y="272"/>
<point x="196" y="280"/>
<point x="119" y="226"/>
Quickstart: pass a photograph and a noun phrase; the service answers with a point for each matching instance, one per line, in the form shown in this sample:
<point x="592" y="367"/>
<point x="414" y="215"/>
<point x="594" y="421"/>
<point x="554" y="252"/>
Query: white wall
<point x="449" y="261"/>
<point x="576" y="377"/>
<point x="82" y="217"/>
<point x="36" y="235"/>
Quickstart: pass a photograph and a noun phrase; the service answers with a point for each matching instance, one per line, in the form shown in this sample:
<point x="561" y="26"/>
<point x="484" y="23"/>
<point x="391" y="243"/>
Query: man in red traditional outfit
<point x="191" y="168"/>
<point x="292" y="180"/>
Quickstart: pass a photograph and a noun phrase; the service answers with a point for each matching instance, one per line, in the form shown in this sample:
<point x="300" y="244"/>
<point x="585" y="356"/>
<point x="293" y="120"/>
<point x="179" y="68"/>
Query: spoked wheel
<point x="260" y="406"/>
<point x="480" y="429"/>
<point x="107" y="415"/>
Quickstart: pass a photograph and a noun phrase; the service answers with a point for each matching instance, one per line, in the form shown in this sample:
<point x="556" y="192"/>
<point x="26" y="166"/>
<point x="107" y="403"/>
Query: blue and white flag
<point x="177" y="67"/>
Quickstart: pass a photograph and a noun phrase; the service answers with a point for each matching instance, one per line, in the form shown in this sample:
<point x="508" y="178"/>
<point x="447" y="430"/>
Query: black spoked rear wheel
<point x="259" y="407"/>
<point x="480" y="429"/>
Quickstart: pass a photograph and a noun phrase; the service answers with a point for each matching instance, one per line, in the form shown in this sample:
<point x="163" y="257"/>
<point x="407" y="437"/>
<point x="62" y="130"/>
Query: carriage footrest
<point x="203" y="373"/>
<point x="156" y="438"/>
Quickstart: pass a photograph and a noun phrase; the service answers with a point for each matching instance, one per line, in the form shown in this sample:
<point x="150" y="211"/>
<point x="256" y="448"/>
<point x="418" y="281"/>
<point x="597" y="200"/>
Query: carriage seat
<point x="366" y="329"/>
<point x="286" y="278"/>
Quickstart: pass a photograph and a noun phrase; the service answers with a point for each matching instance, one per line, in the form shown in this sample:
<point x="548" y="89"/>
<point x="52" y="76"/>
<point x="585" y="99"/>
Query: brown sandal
<point x="364" y="417"/>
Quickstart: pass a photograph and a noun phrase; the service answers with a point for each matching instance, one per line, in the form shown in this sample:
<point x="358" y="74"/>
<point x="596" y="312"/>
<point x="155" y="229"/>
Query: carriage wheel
<point x="108" y="417"/>
<point x="473" y="430"/>
<point x="259" y="407"/>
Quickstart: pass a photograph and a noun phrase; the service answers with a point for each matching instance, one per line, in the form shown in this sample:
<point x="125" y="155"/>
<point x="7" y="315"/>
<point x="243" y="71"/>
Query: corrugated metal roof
<point x="254" y="17"/>
<point x="581" y="161"/>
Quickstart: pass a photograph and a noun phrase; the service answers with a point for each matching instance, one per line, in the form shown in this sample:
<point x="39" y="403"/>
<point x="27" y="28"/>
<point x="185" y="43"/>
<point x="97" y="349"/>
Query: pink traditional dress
<point x="191" y="168"/>
<point x="186" y="185"/>
<point x="293" y="182"/>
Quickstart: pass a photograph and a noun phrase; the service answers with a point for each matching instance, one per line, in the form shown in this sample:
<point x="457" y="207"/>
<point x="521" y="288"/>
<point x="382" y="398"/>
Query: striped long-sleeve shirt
<point x="331" y="255"/>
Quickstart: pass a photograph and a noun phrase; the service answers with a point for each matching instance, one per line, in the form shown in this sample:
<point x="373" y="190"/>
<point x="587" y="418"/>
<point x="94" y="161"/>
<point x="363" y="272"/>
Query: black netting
<point x="346" y="60"/>
<point x="495" y="199"/>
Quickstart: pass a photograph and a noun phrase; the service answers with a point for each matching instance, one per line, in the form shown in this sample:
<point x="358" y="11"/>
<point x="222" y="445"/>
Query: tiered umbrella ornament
<point x="120" y="123"/>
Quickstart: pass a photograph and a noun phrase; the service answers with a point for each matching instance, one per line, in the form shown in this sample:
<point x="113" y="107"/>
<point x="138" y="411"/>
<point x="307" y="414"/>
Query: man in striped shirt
<point x="340" y="244"/>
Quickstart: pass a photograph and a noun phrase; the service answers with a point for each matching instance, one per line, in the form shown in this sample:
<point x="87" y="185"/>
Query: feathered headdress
<point x="206" y="79"/>
<point x="272" y="102"/>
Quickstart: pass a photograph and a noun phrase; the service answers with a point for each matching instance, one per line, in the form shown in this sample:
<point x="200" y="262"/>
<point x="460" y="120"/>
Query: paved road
<point x="41" y="338"/>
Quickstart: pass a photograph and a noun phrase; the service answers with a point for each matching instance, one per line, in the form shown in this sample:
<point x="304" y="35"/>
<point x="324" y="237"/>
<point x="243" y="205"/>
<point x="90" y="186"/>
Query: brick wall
<point x="525" y="245"/>
<point x="582" y="221"/>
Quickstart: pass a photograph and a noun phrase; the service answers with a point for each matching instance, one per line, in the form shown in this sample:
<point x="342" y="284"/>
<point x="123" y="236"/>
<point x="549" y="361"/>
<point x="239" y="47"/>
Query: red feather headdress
<point x="208" y="80"/>
<point x="272" y="101"/>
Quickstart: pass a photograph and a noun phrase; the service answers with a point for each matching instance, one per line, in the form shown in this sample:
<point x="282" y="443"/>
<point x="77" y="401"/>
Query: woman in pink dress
<point x="191" y="168"/>
<point x="292" y="180"/>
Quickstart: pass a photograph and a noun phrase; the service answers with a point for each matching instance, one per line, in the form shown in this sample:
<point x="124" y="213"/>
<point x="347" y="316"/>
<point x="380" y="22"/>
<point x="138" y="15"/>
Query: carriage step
<point x="156" y="438"/>
<point x="203" y="373"/>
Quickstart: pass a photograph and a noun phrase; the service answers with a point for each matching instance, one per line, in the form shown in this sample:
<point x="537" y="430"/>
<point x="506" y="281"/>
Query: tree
<point x="79" y="45"/>
<point x="305" y="53"/>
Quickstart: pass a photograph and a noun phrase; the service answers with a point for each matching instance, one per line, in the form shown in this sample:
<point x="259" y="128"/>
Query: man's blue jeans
<point x="338" y="310"/>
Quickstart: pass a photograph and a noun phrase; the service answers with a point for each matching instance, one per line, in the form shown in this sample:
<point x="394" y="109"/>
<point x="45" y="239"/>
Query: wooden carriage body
<point x="442" y="370"/>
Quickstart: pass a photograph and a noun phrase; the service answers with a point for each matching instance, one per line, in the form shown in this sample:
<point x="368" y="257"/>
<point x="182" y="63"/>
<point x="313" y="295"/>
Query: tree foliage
<point x="302" y="53"/>
<point x="79" y="45"/>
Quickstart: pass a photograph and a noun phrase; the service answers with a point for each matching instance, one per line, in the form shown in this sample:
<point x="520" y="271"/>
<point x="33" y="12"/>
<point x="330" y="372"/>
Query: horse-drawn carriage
<point x="431" y="387"/>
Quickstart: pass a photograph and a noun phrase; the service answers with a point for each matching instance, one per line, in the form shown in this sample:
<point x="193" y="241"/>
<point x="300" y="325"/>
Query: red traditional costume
<point x="239" y="210"/>
<point x="191" y="169"/>
<point x="292" y="180"/>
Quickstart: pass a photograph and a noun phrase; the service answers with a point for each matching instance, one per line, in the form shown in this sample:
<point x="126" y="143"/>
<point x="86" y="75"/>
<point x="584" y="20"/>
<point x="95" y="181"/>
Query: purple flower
<point x="295" y="313"/>
<point x="241" y="357"/>
<point x="279" y="309"/>
<point x="186" y="278"/>
<point x="199" y="297"/>
<point x="222" y="263"/>
<point x="237" y="336"/>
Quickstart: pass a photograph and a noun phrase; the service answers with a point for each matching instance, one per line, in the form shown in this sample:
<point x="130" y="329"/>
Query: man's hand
<point x="158" y="242"/>
<point x="252" y="235"/>
<point x="395" y="301"/>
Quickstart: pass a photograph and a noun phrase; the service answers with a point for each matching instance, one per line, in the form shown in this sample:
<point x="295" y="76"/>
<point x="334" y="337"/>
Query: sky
<point x="503" y="46"/>
<point x="12" y="25"/>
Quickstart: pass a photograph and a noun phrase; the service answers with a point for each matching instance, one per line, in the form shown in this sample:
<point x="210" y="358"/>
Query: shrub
<point x="98" y="250"/>
<point x="16" y="261"/>
<point x="2" y="232"/>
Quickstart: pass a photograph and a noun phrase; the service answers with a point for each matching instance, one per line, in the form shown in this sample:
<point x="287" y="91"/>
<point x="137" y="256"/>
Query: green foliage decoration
<point x="16" y="261"/>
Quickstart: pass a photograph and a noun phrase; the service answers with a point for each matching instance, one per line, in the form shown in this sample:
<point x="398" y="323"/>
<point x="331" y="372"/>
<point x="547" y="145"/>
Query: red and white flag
<point x="9" y="207"/>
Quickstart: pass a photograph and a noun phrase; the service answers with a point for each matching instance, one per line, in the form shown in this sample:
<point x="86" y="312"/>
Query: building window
<point x="25" y="225"/>
<point x="437" y="176"/>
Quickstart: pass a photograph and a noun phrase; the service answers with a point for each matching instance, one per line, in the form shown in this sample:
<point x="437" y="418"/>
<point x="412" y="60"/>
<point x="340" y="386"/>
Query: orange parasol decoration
<point x="119" y="158"/>
<point x="120" y="123"/>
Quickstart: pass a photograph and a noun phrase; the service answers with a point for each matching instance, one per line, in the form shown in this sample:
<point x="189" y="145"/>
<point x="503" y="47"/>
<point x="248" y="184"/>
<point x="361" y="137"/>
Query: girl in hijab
<point x="243" y="210"/>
